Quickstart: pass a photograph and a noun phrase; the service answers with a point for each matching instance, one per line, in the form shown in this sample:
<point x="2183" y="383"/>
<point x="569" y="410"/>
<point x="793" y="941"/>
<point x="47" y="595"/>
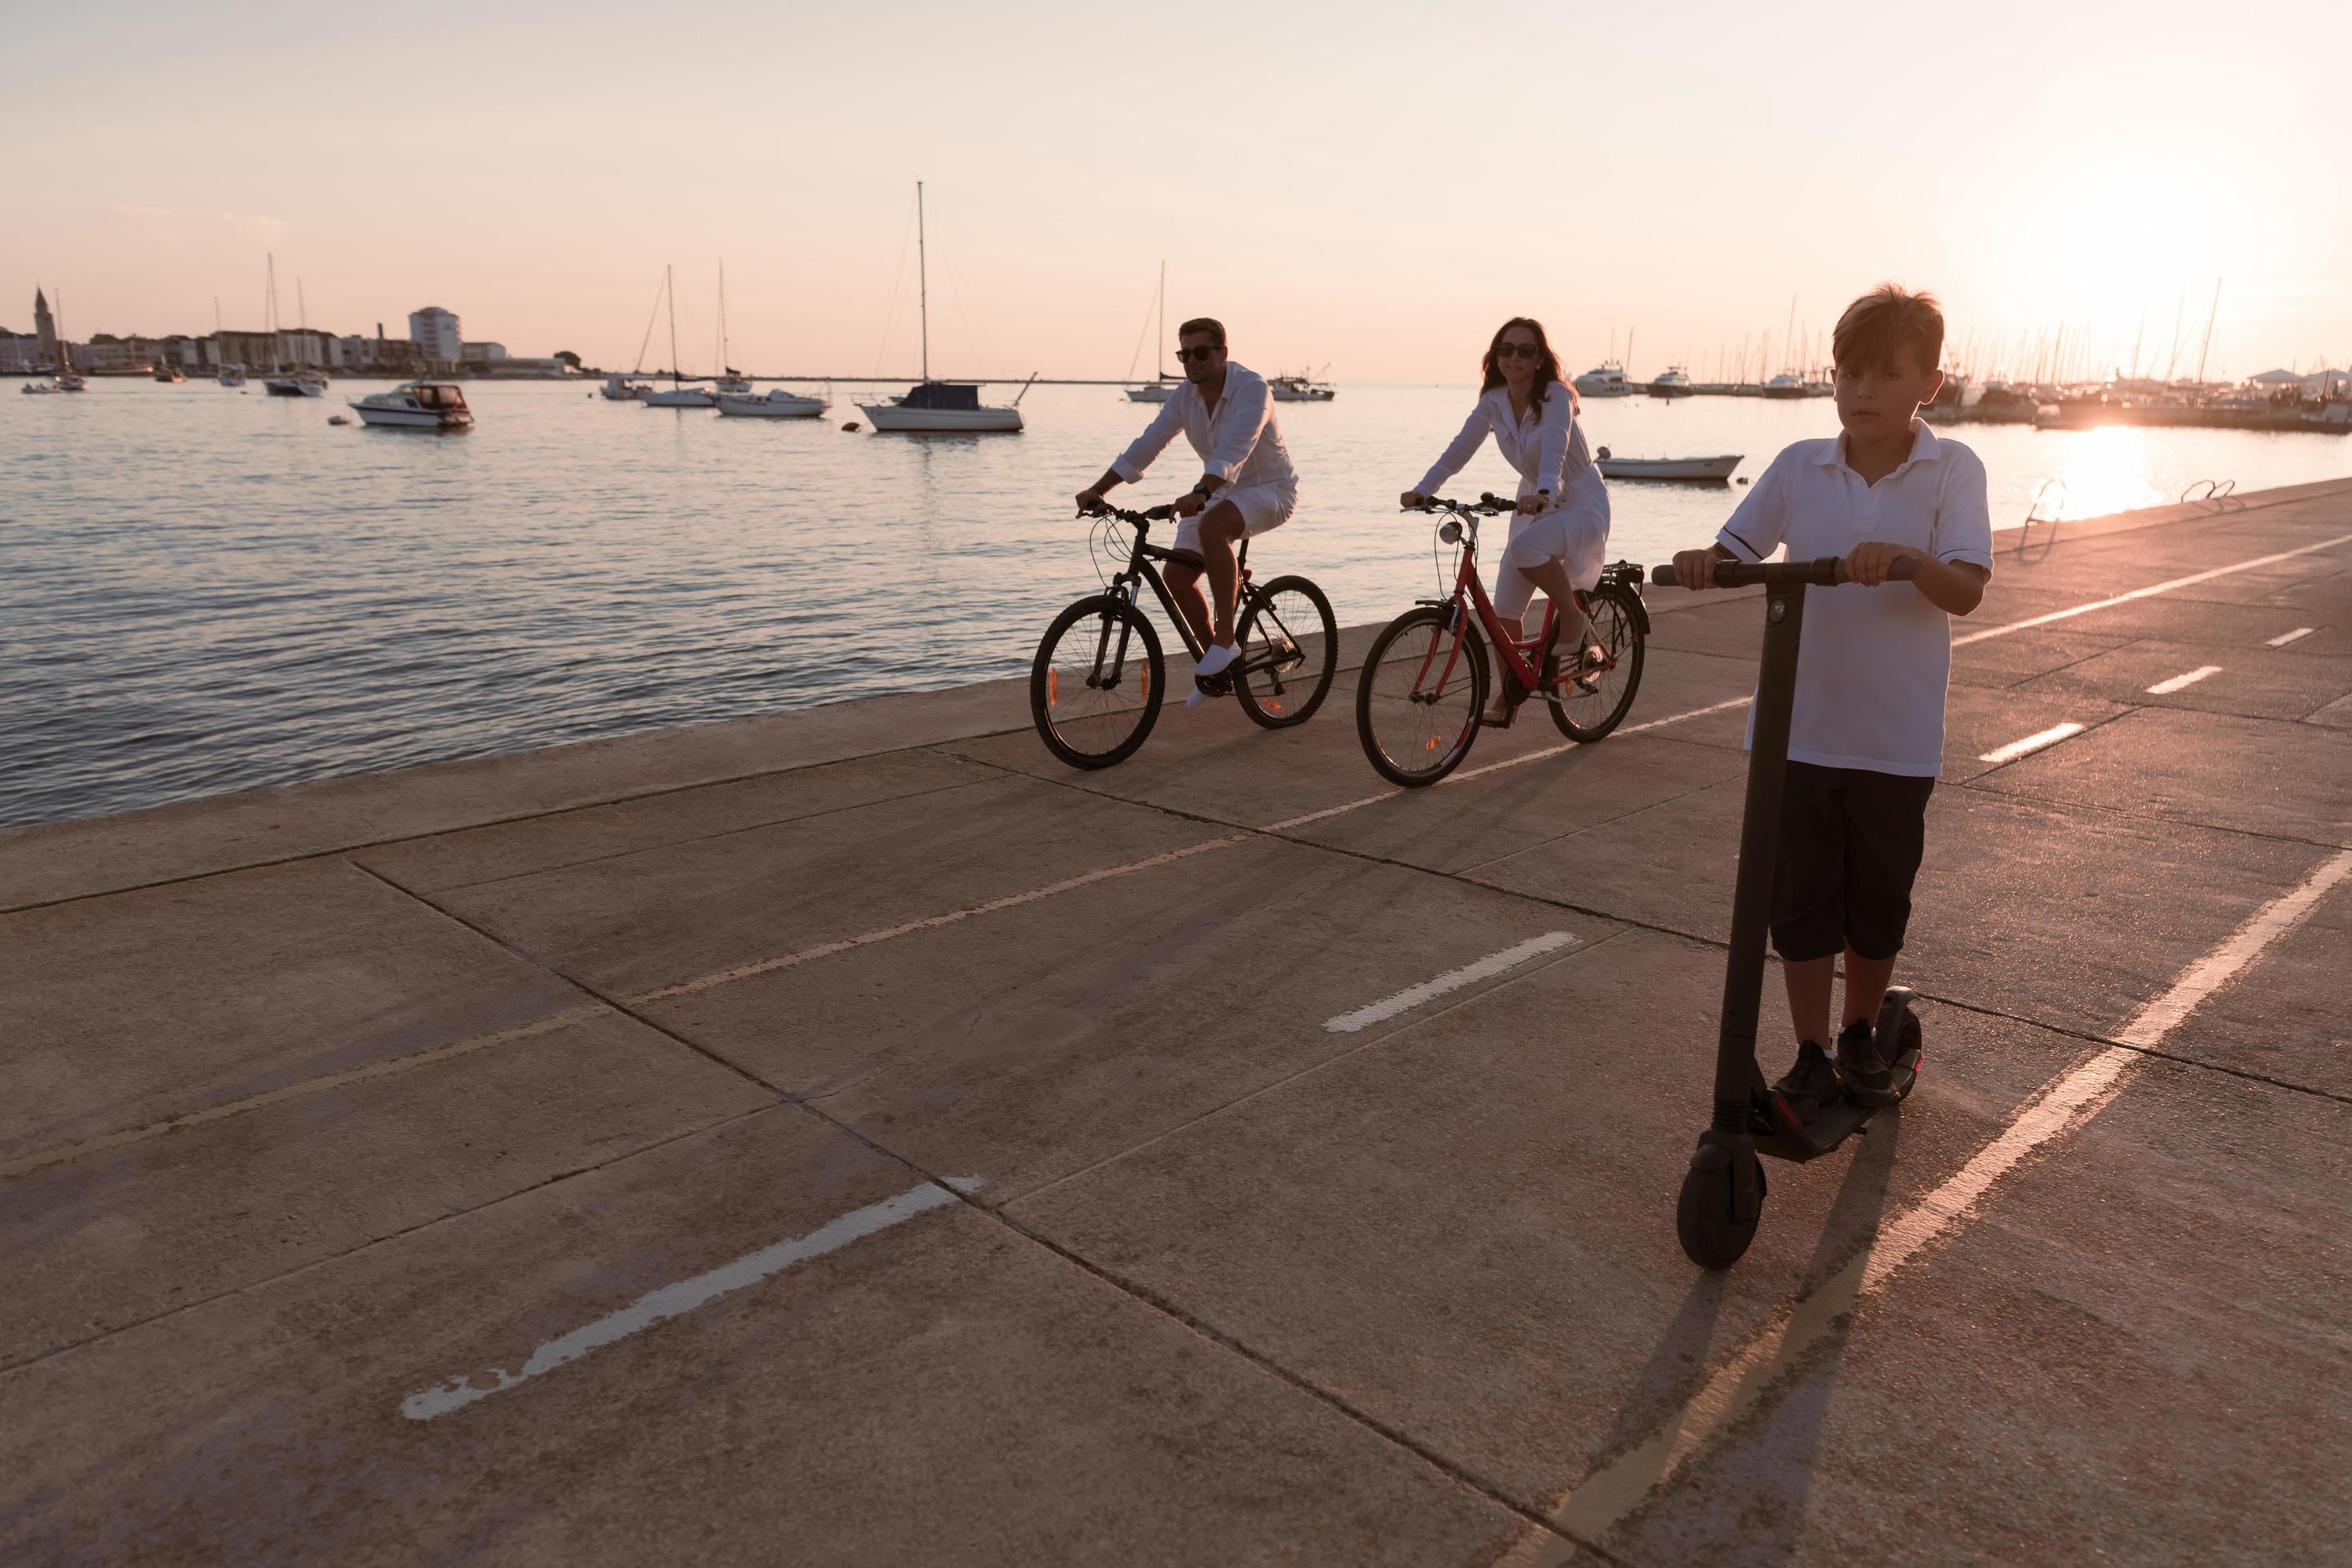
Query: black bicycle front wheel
<point x="1093" y="691"/>
<point x="1588" y="707"/>
<point x="1418" y="699"/>
<point x="1290" y="647"/>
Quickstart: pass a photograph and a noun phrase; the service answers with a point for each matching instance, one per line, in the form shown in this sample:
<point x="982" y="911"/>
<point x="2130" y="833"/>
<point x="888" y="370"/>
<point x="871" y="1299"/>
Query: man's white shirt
<point x="1239" y="442"/>
<point x="1873" y="664"/>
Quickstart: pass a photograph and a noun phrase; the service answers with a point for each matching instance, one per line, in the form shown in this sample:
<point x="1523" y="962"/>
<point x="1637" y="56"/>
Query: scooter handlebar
<point x="1826" y="571"/>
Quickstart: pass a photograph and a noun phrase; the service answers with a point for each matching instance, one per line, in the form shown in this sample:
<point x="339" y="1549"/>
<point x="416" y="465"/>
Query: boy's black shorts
<point x="1849" y="845"/>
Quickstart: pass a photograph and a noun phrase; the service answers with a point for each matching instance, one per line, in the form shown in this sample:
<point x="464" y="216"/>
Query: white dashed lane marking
<point x="2033" y="742"/>
<point x="2285" y="638"/>
<point x="1413" y="997"/>
<point x="2179" y="682"/>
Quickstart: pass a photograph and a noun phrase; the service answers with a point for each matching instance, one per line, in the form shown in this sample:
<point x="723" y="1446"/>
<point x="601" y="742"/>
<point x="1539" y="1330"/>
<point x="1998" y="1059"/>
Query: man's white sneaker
<point x="1212" y="662"/>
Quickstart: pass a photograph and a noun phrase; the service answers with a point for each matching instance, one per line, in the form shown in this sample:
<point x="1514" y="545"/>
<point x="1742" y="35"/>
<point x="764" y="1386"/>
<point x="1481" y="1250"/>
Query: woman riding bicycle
<point x="1559" y="536"/>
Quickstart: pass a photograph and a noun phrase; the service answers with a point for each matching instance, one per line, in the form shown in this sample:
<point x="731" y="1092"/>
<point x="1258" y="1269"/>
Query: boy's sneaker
<point x="1810" y="1082"/>
<point x="1859" y="1066"/>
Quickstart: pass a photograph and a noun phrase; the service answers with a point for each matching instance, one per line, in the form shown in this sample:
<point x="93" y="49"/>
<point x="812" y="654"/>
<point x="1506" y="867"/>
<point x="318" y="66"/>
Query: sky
<point x="1368" y="187"/>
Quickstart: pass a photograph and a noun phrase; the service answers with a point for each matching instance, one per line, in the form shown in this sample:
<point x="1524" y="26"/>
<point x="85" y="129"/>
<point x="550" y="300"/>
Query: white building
<point x="484" y="353"/>
<point x="435" y="331"/>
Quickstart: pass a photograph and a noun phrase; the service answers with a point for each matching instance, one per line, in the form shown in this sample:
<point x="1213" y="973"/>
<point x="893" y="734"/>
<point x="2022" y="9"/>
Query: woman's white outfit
<point x="1547" y="448"/>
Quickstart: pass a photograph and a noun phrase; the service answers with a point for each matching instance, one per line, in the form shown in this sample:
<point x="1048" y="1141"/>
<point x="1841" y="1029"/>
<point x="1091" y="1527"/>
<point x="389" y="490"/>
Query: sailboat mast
<point x="669" y="288"/>
<point x="2209" y="331"/>
<point x="722" y="316"/>
<point x="1160" y="349"/>
<point x="922" y="277"/>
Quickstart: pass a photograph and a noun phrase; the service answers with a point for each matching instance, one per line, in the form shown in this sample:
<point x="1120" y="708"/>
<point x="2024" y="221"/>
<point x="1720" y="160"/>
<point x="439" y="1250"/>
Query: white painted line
<point x="866" y="939"/>
<point x="2149" y="592"/>
<point x="671" y="1300"/>
<point x="1605" y="1497"/>
<point x="1536" y="756"/>
<point x="2033" y="742"/>
<point x="2285" y="638"/>
<point x="1413" y="996"/>
<point x="2166" y="687"/>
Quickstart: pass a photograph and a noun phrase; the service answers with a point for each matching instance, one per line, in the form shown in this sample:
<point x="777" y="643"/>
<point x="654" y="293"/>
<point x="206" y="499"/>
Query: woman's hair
<point x="1546" y="361"/>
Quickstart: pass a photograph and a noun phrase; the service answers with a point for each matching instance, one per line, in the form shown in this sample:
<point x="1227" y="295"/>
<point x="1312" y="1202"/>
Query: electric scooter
<point x="1723" y="1192"/>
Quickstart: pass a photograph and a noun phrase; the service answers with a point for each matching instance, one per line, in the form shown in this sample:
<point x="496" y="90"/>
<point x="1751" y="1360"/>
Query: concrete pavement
<point x="849" y="1136"/>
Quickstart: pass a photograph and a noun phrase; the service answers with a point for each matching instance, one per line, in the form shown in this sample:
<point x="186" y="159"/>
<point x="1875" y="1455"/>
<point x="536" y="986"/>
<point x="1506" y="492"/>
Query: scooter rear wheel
<point x="1706" y="1215"/>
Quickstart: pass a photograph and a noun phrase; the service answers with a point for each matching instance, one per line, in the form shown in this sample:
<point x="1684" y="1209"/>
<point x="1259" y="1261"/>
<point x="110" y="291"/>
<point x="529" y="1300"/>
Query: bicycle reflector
<point x="1053" y="687"/>
<point x="1143" y="683"/>
<point x="1431" y="745"/>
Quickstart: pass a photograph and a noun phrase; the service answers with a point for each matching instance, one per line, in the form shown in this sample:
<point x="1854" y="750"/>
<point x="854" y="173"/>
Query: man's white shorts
<point x="1261" y="507"/>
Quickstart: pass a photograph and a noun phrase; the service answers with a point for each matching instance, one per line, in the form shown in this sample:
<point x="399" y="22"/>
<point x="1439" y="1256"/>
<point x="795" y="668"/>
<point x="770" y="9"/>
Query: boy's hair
<point x="1208" y="325"/>
<point x="1882" y="323"/>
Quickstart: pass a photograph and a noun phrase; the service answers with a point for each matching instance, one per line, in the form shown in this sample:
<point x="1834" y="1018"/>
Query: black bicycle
<point x="1096" y="688"/>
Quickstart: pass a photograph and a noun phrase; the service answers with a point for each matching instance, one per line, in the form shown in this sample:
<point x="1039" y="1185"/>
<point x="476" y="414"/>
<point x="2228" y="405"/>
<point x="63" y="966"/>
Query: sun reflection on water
<point x="2106" y="470"/>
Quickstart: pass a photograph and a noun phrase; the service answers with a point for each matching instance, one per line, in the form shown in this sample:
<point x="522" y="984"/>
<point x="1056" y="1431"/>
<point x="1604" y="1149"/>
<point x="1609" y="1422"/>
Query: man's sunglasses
<point x="1516" y="351"/>
<point x="1185" y="356"/>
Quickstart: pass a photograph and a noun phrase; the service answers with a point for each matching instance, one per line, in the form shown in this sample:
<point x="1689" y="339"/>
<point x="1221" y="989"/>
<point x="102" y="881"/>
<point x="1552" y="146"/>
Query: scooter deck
<point x="1782" y="1134"/>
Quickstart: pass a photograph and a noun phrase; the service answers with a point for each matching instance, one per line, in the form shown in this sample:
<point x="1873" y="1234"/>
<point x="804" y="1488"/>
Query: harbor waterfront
<point x="849" y="1136"/>
<point x="204" y="592"/>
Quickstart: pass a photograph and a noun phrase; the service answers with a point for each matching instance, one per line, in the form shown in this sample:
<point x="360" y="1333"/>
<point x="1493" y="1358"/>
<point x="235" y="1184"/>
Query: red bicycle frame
<point x="1466" y="579"/>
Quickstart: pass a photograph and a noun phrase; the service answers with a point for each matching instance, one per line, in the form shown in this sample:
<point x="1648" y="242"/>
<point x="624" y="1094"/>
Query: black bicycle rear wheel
<point x="1589" y="708"/>
<point x="1419" y="696"/>
<point x="1093" y="691"/>
<point x="1289" y="646"/>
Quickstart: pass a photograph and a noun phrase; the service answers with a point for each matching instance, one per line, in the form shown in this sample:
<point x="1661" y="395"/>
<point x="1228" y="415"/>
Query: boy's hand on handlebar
<point x="1413" y="501"/>
<point x="1694" y="569"/>
<point x="1869" y="561"/>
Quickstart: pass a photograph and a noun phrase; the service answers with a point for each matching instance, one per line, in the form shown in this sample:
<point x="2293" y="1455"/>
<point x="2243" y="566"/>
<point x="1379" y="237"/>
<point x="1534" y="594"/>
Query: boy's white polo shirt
<point x="1872" y="663"/>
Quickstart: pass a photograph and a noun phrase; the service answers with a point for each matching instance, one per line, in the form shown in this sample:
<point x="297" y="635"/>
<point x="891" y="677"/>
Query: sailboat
<point x="67" y="380"/>
<point x="679" y="395"/>
<point x="937" y="406"/>
<point x="1164" y="387"/>
<point x="307" y="379"/>
<point x="729" y="381"/>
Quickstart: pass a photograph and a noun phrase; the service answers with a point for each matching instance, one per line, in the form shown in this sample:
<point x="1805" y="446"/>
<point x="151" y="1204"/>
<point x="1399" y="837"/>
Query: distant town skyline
<point x="1373" y="198"/>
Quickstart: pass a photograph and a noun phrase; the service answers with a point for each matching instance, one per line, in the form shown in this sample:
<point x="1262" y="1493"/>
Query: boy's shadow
<point x="1759" y="1475"/>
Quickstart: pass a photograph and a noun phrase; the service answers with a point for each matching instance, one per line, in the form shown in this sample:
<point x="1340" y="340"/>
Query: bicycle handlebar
<point x="1156" y="514"/>
<point x="1825" y="571"/>
<point x="1488" y="503"/>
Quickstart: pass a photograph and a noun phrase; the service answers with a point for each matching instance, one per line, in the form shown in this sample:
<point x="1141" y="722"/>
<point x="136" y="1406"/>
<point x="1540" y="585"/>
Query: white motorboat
<point x="1788" y="384"/>
<point x="1300" y="389"/>
<point x="416" y="406"/>
<point x="1158" y="392"/>
<point x="230" y="375"/>
<point x="1606" y="379"/>
<point x="777" y="404"/>
<point x="298" y="383"/>
<point x="1688" y="471"/>
<point x="1675" y="383"/>
<point x="939" y="407"/>
<point x="621" y="389"/>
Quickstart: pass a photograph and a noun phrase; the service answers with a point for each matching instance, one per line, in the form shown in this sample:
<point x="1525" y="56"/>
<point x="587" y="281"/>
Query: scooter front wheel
<point x="1722" y="1200"/>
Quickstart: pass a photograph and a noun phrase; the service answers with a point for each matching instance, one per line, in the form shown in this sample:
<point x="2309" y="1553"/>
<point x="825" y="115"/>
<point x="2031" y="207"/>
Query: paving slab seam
<point x="1211" y="1334"/>
<point x="710" y="837"/>
<point x="2235" y="830"/>
<point x="617" y="1004"/>
<point x="11" y="1368"/>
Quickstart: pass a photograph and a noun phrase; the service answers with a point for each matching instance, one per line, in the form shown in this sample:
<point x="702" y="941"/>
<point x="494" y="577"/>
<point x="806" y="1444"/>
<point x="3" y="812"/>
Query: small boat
<point x="230" y="375"/>
<point x="678" y="395"/>
<point x="1606" y="379"/>
<point x="939" y="407"/>
<point x="170" y="373"/>
<point x="776" y="403"/>
<point x="68" y="382"/>
<point x="621" y="389"/>
<point x="1675" y="383"/>
<point x="1161" y="387"/>
<point x="1687" y="470"/>
<point x="1298" y="389"/>
<point x="303" y="383"/>
<point x="39" y="388"/>
<point x="416" y="406"/>
<point x="1788" y="384"/>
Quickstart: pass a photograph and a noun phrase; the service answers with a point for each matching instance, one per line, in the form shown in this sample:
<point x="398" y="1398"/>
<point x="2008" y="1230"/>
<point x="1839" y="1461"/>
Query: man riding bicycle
<point x="1247" y="485"/>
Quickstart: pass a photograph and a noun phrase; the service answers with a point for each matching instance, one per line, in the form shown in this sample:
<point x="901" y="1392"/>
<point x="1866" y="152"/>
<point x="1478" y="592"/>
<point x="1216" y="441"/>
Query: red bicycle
<point x="1423" y="694"/>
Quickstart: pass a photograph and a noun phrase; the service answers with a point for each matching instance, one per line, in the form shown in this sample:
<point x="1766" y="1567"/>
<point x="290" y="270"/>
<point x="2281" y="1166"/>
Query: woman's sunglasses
<point x="1516" y="351"/>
